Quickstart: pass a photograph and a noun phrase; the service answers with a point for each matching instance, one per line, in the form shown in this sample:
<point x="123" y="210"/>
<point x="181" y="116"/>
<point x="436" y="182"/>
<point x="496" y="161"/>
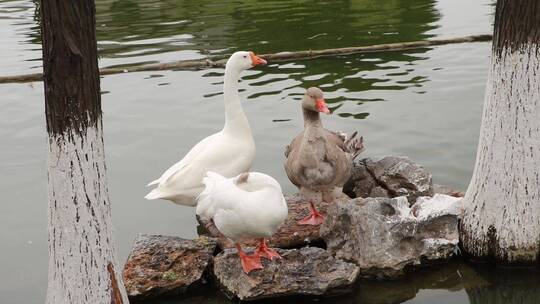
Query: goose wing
<point x="189" y="157"/>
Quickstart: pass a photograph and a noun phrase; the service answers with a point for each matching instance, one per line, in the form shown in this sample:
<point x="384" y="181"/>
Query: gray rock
<point x="442" y="189"/>
<point x="362" y="182"/>
<point x="166" y="265"/>
<point x="379" y="192"/>
<point x="308" y="271"/>
<point x="389" y="177"/>
<point x="383" y="236"/>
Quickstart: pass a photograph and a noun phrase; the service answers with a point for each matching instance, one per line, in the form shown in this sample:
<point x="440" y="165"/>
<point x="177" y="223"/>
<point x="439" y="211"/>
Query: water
<point x="423" y="103"/>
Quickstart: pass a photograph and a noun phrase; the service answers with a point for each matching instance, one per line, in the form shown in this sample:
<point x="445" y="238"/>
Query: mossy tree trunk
<point x="83" y="267"/>
<point x="501" y="219"/>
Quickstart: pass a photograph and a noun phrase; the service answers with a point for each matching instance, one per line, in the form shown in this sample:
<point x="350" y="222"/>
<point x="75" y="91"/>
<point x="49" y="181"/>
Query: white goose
<point x="228" y="152"/>
<point x="249" y="206"/>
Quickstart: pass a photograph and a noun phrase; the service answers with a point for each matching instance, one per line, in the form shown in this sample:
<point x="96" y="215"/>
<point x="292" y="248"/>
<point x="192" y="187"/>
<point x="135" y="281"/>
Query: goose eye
<point x="245" y="56"/>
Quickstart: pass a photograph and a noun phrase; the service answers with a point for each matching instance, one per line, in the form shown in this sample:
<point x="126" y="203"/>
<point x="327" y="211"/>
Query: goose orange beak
<point x="256" y="60"/>
<point x="321" y="106"/>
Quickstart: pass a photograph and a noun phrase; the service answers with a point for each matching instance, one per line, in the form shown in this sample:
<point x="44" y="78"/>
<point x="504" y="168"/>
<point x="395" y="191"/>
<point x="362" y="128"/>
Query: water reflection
<point x="148" y="31"/>
<point x="157" y="27"/>
<point x="223" y="26"/>
<point x="128" y="28"/>
<point x="136" y="28"/>
<point x="506" y="286"/>
<point x="350" y="81"/>
<point x="483" y="283"/>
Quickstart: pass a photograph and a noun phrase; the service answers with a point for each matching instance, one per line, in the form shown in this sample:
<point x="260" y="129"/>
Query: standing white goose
<point x="228" y="152"/>
<point x="249" y="206"/>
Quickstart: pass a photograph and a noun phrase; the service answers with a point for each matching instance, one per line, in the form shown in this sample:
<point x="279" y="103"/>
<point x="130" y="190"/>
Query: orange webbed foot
<point x="315" y="218"/>
<point x="266" y="252"/>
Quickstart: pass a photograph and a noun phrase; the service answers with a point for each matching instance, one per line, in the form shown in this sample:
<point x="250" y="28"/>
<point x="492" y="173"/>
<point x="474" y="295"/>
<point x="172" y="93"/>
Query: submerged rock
<point x="308" y="271"/>
<point x="383" y="236"/>
<point x="166" y="265"/>
<point x="390" y="176"/>
<point x="289" y="235"/>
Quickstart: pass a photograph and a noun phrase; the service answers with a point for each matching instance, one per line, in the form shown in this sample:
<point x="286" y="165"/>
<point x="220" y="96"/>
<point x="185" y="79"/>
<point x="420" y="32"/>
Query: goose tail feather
<point x="154" y="194"/>
<point x="153" y="183"/>
<point x="205" y="201"/>
<point x="354" y="145"/>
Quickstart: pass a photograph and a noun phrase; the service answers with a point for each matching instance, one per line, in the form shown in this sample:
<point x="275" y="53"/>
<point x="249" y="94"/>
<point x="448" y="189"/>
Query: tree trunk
<point x="501" y="220"/>
<point x="83" y="267"/>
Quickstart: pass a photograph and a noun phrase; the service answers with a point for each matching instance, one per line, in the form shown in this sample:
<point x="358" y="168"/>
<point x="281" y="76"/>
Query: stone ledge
<point x="384" y="236"/>
<point x="308" y="271"/>
<point x="165" y="265"/>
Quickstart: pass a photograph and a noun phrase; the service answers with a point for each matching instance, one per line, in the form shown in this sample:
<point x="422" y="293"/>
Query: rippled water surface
<point x="423" y="103"/>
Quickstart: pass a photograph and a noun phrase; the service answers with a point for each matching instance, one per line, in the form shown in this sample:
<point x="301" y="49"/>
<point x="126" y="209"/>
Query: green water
<point x="423" y="103"/>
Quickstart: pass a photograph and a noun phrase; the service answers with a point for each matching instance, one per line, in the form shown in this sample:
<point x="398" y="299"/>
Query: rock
<point x="289" y="235"/>
<point x="308" y="271"/>
<point x="389" y="177"/>
<point x="383" y="236"/>
<point x="400" y="176"/>
<point x="166" y="265"/>
<point x="447" y="190"/>
<point x="439" y="205"/>
<point x="362" y="182"/>
<point x="379" y="192"/>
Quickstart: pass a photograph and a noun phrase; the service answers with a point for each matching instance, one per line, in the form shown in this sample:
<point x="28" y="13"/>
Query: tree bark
<point x="501" y="219"/>
<point x="83" y="267"/>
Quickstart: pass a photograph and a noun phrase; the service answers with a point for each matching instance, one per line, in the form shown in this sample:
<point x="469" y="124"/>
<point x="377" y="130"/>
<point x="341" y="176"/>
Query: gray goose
<point x="319" y="160"/>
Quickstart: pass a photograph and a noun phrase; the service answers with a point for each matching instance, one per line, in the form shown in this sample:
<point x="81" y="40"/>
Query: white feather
<point x="220" y="152"/>
<point x="252" y="209"/>
<point x="228" y="152"/>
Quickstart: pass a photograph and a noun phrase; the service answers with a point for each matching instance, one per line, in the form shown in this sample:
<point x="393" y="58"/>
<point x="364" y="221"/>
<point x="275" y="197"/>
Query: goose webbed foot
<point x="266" y="252"/>
<point x="248" y="262"/>
<point x="314" y="218"/>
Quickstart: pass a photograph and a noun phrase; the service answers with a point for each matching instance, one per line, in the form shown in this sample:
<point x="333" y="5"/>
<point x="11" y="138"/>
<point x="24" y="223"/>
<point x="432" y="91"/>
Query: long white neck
<point x="235" y="120"/>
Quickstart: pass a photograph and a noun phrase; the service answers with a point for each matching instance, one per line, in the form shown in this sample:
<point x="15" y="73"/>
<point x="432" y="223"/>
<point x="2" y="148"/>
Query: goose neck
<point x="235" y="119"/>
<point x="311" y="118"/>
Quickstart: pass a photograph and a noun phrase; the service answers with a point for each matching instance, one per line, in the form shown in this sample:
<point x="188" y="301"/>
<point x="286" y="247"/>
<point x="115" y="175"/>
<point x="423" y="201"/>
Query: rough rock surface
<point x="307" y="271"/>
<point x="447" y="190"/>
<point x="383" y="236"/>
<point x="166" y="265"/>
<point x="289" y="235"/>
<point x="390" y="176"/>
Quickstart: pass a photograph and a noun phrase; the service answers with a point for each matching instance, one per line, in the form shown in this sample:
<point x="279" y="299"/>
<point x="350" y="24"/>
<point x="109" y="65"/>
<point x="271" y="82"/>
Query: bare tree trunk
<point x="83" y="267"/>
<point x="502" y="206"/>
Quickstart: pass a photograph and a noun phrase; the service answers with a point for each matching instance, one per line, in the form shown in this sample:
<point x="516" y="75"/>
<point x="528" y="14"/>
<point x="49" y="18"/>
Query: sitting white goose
<point x="228" y="152"/>
<point x="249" y="206"/>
